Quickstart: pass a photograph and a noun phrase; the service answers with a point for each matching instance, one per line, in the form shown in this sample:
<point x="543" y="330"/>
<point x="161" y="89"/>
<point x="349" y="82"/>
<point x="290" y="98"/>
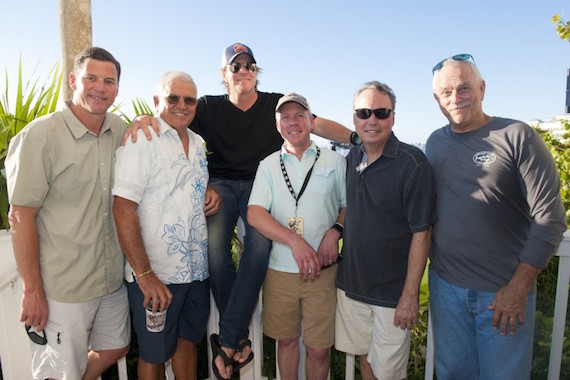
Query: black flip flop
<point x="236" y="364"/>
<point x="217" y="351"/>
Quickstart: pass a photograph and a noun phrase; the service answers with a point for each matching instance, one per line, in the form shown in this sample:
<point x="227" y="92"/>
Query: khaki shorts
<point x="361" y="329"/>
<point x="74" y="328"/>
<point x="287" y="299"/>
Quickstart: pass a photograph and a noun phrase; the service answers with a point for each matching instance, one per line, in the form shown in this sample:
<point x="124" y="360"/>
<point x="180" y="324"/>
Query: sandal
<point x="217" y="351"/>
<point x="236" y="364"/>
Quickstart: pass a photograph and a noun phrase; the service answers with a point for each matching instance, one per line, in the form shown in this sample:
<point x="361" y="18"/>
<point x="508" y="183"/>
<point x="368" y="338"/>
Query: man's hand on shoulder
<point x="141" y="122"/>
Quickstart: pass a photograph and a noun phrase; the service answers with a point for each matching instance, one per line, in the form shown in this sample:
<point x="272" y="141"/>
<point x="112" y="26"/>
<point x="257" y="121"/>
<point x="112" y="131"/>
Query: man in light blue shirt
<point x="298" y="200"/>
<point x="160" y="186"/>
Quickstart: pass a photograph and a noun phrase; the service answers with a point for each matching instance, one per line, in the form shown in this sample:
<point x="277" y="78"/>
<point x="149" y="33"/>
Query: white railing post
<point x="560" y="309"/>
<point x="213" y="322"/>
<point x="122" y="368"/>
<point x="429" y="351"/>
<point x="301" y="373"/>
<point x="252" y="371"/>
<point x="350" y="366"/>
<point x="15" y="351"/>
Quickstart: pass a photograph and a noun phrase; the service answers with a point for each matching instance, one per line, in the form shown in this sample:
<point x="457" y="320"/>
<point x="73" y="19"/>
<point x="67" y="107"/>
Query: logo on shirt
<point x="484" y="158"/>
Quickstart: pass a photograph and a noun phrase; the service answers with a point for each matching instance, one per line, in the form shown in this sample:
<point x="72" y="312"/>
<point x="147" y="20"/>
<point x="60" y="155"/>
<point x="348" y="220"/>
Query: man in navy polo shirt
<point x="389" y="214"/>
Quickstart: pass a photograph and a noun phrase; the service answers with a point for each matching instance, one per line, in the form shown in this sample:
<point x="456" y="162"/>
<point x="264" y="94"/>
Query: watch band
<point x="338" y="227"/>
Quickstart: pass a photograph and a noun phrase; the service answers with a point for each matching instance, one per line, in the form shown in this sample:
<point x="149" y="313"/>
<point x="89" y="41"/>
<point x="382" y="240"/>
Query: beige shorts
<point x="74" y="328"/>
<point x="287" y="299"/>
<point x="361" y="329"/>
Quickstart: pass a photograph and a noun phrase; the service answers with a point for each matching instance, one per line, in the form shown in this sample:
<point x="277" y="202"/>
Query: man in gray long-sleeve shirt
<point x="500" y="219"/>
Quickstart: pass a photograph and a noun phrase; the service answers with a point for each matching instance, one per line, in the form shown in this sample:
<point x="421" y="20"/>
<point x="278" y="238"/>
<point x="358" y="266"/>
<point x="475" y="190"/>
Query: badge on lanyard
<point x="296" y="225"/>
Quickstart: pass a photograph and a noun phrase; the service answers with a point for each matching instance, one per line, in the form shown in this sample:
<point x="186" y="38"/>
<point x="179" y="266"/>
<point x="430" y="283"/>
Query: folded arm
<point x="305" y="256"/>
<point x="328" y="248"/>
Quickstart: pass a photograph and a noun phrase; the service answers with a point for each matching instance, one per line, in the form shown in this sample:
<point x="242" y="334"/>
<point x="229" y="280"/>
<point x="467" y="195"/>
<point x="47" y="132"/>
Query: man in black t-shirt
<point x="239" y="130"/>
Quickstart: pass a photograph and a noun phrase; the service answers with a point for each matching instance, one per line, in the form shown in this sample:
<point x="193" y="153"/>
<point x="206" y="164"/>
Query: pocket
<point x="324" y="180"/>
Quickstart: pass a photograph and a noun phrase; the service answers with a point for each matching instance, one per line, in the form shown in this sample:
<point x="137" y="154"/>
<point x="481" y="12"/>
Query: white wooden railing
<point x="15" y="351"/>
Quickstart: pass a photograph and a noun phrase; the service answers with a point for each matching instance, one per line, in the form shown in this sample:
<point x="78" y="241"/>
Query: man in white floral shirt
<point x="159" y="190"/>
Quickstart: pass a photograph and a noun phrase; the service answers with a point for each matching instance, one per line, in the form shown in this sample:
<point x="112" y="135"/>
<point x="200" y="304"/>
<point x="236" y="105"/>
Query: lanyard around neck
<point x="305" y="182"/>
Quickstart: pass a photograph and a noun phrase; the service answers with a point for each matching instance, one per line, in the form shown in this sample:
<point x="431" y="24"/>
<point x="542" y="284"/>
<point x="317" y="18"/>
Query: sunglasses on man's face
<point x="35" y="336"/>
<point x="236" y="66"/>
<point x="380" y="113"/>
<point x="457" y="57"/>
<point x="174" y="99"/>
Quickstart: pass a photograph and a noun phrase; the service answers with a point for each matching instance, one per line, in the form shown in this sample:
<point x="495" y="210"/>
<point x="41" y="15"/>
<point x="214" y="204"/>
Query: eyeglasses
<point x="236" y="66"/>
<point x="174" y="99"/>
<point x="380" y="113"/>
<point x="457" y="57"/>
<point x="36" y="337"/>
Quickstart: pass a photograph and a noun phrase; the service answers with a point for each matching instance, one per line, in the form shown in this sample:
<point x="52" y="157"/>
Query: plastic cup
<point x="155" y="321"/>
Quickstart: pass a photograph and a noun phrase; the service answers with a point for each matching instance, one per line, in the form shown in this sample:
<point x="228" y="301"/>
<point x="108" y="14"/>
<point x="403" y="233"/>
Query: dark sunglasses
<point x="174" y="99"/>
<point x="236" y="66"/>
<point x="36" y="337"/>
<point x="380" y="113"/>
<point x="457" y="57"/>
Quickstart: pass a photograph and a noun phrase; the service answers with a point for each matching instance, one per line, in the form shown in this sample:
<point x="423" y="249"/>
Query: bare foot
<point x="222" y="363"/>
<point x="244" y="351"/>
<point x="227" y="371"/>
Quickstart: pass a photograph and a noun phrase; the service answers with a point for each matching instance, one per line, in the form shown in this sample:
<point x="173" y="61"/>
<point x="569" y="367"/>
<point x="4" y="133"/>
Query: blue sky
<point x="322" y="49"/>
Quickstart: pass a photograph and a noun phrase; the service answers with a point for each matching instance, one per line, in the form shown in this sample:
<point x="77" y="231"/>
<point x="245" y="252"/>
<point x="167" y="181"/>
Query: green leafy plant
<point x="418" y="335"/>
<point x="547" y="280"/>
<point x="32" y="101"/>
<point x="560" y="149"/>
<point x="562" y="27"/>
<point x="140" y="107"/>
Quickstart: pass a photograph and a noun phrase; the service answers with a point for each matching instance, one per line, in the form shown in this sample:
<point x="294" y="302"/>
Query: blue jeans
<point x="466" y="345"/>
<point x="235" y="293"/>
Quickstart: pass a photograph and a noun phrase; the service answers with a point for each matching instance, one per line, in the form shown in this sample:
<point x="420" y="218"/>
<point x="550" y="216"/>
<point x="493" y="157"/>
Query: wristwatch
<point x="338" y="227"/>
<point x="354" y="138"/>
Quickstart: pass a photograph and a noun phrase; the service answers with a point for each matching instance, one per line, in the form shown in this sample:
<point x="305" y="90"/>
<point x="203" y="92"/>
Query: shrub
<point x="31" y="103"/>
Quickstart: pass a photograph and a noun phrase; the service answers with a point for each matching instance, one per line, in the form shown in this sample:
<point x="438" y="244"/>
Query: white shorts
<point x="75" y="328"/>
<point x="361" y="329"/>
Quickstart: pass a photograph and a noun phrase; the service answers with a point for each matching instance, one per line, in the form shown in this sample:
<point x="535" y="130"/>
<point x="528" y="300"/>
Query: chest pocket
<point x="323" y="180"/>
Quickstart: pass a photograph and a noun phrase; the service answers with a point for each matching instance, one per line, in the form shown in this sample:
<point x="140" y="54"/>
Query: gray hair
<point x="452" y="62"/>
<point x="379" y="87"/>
<point x="171" y="76"/>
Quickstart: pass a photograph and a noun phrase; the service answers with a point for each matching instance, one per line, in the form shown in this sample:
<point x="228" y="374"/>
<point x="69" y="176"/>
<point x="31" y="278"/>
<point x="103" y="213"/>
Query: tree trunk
<point x="75" y="31"/>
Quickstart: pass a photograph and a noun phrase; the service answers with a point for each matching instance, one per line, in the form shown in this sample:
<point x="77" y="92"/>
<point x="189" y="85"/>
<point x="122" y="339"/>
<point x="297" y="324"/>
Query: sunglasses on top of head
<point x="249" y="66"/>
<point x="380" y="113"/>
<point x="457" y="57"/>
<point x="174" y="99"/>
